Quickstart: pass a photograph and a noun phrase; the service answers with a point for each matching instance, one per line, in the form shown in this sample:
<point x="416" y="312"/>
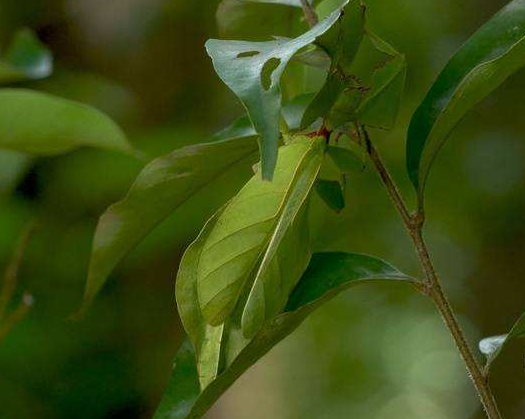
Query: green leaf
<point x="207" y="340"/>
<point x="295" y="3"/>
<point x="325" y="7"/>
<point x="325" y="100"/>
<point x="327" y="275"/>
<point x="331" y="193"/>
<point x="341" y="43"/>
<point x="313" y="56"/>
<point x="343" y="39"/>
<point x="348" y="160"/>
<point x="366" y="78"/>
<point x="238" y="256"/>
<point x="13" y="166"/>
<point x="38" y="123"/>
<point x="161" y="187"/>
<point x="255" y="20"/>
<point x="240" y="128"/>
<point x="294" y="110"/>
<point x="492" y="54"/>
<point x="492" y="346"/>
<point x="26" y="58"/>
<point x="381" y="104"/>
<point x="252" y="70"/>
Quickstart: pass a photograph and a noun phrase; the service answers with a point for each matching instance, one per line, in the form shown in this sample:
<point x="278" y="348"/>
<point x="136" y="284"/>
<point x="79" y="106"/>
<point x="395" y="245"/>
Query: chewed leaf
<point x="26" y="58"/>
<point x="242" y="245"/>
<point x="327" y="275"/>
<point x="489" y="57"/>
<point x="252" y="70"/>
<point x="492" y="346"/>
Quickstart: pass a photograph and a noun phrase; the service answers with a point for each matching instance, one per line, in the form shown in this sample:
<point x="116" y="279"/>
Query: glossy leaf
<point x="26" y="58"/>
<point x="492" y="346"/>
<point x="252" y="70"/>
<point x="38" y="123"/>
<point x="161" y="187"/>
<point x="492" y="54"/>
<point x="327" y="275"/>
<point x="239" y="252"/>
<point x="331" y="193"/>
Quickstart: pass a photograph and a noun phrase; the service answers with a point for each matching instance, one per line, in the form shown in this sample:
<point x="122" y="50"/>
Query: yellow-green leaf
<point x="240" y="248"/>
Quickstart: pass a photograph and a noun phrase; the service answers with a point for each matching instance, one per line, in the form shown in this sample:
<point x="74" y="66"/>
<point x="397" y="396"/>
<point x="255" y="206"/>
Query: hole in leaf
<point x="247" y="54"/>
<point x="266" y="75"/>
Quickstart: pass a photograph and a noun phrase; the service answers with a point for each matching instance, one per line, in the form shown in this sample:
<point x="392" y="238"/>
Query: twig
<point x="414" y="225"/>
<point x="309" y="13"/>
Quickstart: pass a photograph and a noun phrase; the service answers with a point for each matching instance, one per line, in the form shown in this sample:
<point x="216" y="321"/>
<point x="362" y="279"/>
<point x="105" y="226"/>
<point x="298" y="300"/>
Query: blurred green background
<point x="372" y="353"/>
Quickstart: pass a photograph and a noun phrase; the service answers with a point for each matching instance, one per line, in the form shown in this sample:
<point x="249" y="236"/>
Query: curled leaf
<point x="492" y="346"/>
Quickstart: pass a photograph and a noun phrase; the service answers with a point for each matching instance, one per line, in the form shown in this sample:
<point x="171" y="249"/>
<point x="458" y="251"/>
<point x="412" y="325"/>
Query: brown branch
<point x="309" y="13"/>
<point x="414" y="225"/>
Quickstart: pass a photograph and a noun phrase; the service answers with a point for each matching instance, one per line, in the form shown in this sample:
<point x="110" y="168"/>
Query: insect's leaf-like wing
<point x="245" y="229"/>
<point x="287" y="254"/>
